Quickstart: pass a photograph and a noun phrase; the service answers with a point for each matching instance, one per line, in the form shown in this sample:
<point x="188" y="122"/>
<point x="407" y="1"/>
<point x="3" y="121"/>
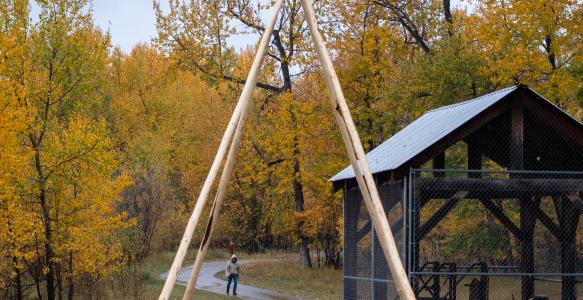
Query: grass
<point x="143" y="281"/>
<point x="287" y="275"/>
<point x="282" y="272"/>
<point x="276" y="271"/>
<point x="157" y="264"/>
<point x="150" y="269"/>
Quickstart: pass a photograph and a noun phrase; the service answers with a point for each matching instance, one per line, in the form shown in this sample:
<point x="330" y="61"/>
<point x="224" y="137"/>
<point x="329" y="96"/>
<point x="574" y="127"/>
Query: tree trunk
<point x="447" y="11"/>
<point x="49" y="254"/>
<point x="42" y="196"/>
<point x="34" y="271"/>
<point x="59" y="276"/>
<point x="297" y="184"/>
<point x="70" y="278"/>
<point x="38" y="292"/>
<point x="18" y="280"/>
<point x="299" y="198"/>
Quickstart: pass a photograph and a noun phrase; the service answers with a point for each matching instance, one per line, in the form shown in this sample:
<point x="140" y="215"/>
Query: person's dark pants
<point x="234" y="278"/>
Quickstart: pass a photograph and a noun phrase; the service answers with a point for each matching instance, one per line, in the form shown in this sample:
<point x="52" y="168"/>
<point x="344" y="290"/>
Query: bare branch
<point x="203" y="70"/>
<point x="403" y="18"/>
<point x="248" y="23"/>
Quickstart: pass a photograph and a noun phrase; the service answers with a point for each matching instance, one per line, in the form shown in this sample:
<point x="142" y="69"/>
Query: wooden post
<point x="439" y="164"/>
<point x="357" y="157"/>
<point x="527" y="223"/>
<point x="241" y="108"/>
<point x="568" y="216"/>
<point x="527" y="217"/>
<point x="474" y="160"/>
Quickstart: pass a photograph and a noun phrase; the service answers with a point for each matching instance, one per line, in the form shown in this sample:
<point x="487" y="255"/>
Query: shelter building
<point x="484" y="199"/>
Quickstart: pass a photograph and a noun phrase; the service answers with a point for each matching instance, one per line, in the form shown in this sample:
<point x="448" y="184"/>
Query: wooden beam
<point x="457" y="135"/>
<point x="358" y="159"/>
<point x="365" y="229"/>
<point x="388" y="191"/>
<point x="440" y="214"/>
<point x="548" y="222"/>
<point x="240" y="109"/>
<point x="482" y="140"/>
<point x="440" y="186"/>
<point x="576" y="200"/>
<point x="570" y="130"/>
<point x="501" y="216"/>
<point x="527" y="217"/>
<point x="439" y="164"/>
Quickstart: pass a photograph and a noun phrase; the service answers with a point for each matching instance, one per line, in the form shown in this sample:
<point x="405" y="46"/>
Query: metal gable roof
<point x="424" y="132"/>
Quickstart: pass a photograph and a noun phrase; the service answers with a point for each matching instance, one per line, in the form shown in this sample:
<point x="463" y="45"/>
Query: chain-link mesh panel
<point x="496" y="234"/>
<point x="366" y="273"/>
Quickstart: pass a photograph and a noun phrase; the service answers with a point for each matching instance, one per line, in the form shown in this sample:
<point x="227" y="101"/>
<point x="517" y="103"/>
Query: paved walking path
<point x="208" y="282"/>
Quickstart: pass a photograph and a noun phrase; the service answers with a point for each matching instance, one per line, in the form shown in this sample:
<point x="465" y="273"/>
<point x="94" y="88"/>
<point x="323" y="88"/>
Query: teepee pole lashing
<point x="242" y="104"/>
<point x="358" y="160"/>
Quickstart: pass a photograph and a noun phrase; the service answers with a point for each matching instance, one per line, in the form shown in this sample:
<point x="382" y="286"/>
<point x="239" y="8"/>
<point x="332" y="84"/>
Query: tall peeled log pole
<point x="214" y="214"/>
<point x="223" y="182"/>
<point x="358" y="160"/>
<point x="237" y="121"/>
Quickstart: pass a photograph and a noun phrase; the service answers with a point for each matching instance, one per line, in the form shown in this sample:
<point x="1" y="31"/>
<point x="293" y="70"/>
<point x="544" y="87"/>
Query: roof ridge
<point x="470" y="100"/>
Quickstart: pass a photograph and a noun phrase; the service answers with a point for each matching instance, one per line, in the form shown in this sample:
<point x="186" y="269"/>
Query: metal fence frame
<point x="411" y="227"/>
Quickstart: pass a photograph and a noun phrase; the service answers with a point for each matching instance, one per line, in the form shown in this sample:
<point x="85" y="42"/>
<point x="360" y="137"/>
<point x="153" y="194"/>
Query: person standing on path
<point x="232" y="274"/>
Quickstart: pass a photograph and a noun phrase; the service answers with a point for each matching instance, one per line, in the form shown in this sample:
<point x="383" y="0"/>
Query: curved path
<point x="208" y="282"/>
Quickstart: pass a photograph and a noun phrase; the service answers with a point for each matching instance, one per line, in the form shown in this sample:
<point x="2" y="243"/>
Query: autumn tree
<point x="149" y="97"/>
<point x="69" y="192"/>
<point x="16" y="228"/>
<point x="532" y="42"/>
<point x="196" y="34"/>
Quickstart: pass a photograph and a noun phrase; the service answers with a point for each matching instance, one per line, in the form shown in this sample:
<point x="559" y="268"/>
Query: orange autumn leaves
<point x="109" y="149"/>
<point x="60" y="184"/>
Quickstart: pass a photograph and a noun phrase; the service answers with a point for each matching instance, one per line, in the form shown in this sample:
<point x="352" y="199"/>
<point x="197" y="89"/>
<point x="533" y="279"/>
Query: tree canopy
<point x="103" y="152"/>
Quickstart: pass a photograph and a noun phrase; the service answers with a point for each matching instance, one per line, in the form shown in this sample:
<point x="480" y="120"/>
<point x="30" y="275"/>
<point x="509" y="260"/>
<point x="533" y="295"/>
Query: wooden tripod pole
<point x="214" y="214"/>
<point x="358" y="160"/>
<point x="241" y="107"/>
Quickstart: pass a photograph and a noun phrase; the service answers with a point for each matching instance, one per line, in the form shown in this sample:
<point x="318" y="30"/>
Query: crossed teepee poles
<point x="233" y="135"/>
